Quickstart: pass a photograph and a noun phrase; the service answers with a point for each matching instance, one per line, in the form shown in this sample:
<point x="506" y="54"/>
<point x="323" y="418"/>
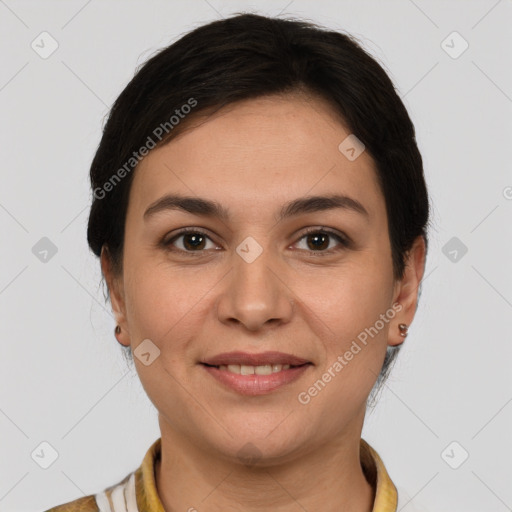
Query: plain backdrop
<point x="444" y="420"/>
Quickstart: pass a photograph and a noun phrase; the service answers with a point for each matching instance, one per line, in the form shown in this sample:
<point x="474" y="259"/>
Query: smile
<point x="266" y="369"/>
<point x="255" y="380"/>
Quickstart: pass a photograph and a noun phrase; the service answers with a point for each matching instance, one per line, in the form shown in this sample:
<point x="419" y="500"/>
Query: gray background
<point x="62" y="376"/>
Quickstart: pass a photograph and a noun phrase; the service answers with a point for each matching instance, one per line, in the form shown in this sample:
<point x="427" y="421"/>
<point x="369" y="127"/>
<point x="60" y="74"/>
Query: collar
<point x="386" y="495"/>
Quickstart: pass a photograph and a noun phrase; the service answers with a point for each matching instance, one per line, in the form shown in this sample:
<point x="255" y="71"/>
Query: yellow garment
<point x="137" y="491"/>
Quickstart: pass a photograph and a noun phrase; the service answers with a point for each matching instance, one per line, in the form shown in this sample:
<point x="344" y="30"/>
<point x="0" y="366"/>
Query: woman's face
<point x="255" y="281"/>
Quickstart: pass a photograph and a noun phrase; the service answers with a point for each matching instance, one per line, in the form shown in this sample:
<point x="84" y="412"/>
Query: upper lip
<point x="264" y="358"/>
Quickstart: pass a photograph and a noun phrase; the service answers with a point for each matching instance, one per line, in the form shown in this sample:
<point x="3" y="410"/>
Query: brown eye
<point x="189" y="240"/>
<point x="318" y="241"/>
<point x="193" y="241"/>
<point x="323" y="241"/>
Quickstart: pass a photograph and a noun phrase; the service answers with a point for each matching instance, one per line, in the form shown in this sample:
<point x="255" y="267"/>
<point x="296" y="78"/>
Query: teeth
<point x="243" y="369"/>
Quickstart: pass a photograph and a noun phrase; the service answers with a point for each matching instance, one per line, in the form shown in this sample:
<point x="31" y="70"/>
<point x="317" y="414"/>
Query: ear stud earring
<point x="403" y="329"/>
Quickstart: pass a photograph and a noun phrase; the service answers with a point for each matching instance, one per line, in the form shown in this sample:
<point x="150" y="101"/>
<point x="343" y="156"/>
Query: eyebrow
<point x="209" y="208"/>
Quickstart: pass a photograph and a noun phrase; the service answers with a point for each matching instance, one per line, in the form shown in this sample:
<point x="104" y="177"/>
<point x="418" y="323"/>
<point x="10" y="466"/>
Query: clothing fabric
<point x="137" y="492"/>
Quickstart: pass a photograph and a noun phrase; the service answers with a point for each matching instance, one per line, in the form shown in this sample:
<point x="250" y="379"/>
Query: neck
<point x="329" y="478"/>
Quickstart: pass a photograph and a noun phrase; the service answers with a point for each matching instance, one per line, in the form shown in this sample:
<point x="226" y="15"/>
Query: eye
<point x="318" y="240"/>
<point x="190" y="240"/>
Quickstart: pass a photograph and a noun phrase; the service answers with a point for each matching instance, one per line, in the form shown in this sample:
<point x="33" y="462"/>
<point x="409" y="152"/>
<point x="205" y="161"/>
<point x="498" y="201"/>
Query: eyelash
<point x="344" y="241"/>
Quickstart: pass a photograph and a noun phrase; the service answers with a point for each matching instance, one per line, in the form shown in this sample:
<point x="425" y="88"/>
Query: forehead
<point x="259" y="151"/>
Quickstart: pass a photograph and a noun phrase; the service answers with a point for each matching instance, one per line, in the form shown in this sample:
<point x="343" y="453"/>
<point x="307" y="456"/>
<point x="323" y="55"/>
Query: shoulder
<point x="118" y="497"/>
<point x="136" y="491"/>
<point x="85" y="504"/>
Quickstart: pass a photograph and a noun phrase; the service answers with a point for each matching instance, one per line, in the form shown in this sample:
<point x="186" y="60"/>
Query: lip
<point x="254" y="385"/>
<point x="260" y="359"/>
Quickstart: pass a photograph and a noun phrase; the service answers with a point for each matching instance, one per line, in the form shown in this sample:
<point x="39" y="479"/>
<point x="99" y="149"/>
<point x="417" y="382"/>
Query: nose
<point x="255" y="294"/>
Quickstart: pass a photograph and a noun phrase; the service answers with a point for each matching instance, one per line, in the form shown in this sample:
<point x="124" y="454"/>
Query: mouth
<point x="255" y="360"/>
<point x="265" y="369"/>
<point x="255" y="374"/>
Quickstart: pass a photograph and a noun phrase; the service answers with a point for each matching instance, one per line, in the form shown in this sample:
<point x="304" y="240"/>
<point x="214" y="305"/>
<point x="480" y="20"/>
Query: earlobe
<point x="397" y="333"/>
<point x="407" y="291"/>
<point x="116" y="298"/>
<point x="121" y="336"/>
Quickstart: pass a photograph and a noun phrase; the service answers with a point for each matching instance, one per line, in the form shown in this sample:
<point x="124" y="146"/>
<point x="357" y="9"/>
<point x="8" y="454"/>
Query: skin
<point x="253" y="157"/>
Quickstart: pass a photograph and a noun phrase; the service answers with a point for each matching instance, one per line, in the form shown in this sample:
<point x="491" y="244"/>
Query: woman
<point x="260" y="213"/>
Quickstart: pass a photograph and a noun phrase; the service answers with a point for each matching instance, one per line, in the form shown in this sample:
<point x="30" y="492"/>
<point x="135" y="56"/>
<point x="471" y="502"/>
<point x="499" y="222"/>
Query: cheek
<point x="347" y="301"/>
<point x="348" y="323"/>
<point x="163" y="304"/>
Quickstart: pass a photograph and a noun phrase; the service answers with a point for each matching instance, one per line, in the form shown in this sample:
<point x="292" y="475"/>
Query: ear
<point x="406" y="290"/>
<point x="116" y="292"/>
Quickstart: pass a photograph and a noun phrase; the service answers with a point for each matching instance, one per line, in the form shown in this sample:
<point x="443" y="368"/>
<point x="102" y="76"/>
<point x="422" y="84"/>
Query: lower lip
<point x="256" y="384"/>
